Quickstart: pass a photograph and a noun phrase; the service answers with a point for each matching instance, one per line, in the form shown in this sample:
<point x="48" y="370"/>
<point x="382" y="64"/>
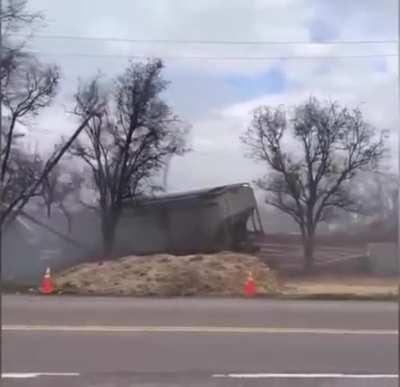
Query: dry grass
<point x="343" y="285"/>
<point x="222" y="274"/>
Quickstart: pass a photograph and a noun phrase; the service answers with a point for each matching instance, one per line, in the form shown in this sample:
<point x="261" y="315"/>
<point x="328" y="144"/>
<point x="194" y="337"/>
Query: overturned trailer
<point x="220" y="218"/>
<point x="208" y="220"/>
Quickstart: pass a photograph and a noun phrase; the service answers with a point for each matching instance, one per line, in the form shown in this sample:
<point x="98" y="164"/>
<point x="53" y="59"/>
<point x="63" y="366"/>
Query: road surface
<point x="91" y="341"/>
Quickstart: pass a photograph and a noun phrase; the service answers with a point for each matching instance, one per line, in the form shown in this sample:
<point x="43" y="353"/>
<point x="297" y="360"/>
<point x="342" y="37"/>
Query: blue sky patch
<point x="321" y="31"/>
<point x="272" y="82"/>
<point x="379" y="65"/>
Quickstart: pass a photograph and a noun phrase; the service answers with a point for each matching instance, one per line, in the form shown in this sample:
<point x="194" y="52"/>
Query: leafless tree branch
<point x="130" y="143"/>
<point x="330" y="145"/>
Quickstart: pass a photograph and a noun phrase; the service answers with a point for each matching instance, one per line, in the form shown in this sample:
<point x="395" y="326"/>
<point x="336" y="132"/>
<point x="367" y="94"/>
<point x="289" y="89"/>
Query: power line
<point x="207" y="42"/>
<point x="233" y="58"/>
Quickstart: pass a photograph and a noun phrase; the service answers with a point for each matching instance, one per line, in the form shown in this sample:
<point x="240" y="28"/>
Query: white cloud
<point x="199" y="90"/>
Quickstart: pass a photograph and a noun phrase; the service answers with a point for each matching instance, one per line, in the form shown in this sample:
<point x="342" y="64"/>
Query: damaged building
<point x="220" y="218"/>
<point x="207" y="220"/>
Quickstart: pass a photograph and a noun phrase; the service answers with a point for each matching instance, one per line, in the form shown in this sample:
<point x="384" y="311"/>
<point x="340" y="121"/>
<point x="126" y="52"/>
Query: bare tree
<point x="22" y="171"/>
<point x="27" y="87"/>
<point x="15" y="19"/>
<point x="128" y="145"/>
<point x="15" y="16"/>
<point x="94" y="107"/>
<point x="378" y="194"/>
<point x="313" y="156"/>
<point x="25" y="93"/>
<point x="17" y="22"/>
<point x="58" y="186"/>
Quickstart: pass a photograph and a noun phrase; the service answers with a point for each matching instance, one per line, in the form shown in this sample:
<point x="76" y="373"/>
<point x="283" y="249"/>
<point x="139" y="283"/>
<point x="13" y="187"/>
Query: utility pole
<point x="398" y="129"/>
<point x="1" y="130"/>
<point x="1" y="148"/>
<point x="1" y="84"/>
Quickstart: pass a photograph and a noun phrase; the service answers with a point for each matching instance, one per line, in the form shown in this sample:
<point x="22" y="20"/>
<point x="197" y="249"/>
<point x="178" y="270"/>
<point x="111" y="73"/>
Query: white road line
<point x="30" y="375"/>
<point x="195" y="329"/>
<point x="307" y="376"/>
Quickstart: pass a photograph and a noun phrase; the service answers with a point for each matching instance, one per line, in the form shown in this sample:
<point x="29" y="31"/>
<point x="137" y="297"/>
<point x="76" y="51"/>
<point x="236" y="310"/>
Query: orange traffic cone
<point x="249" y="286"/>
<point x="47" y="286"/>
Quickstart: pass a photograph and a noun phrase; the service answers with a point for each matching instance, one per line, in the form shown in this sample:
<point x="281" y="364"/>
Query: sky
<point x="216" y="96"/>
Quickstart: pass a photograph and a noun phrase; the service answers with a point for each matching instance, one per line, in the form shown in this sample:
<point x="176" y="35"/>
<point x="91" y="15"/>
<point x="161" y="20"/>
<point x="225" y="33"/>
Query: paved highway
<point x="74" y="341"/>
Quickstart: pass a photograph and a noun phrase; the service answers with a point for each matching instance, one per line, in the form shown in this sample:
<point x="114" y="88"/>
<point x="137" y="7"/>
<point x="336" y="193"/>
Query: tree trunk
<point x="48" y="210"/>
<point x="309" y="245"/>
<point x="108" y="229"/>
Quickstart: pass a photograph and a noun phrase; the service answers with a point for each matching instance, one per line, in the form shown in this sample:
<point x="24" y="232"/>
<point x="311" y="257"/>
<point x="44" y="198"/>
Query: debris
<point x="167" y="275"/>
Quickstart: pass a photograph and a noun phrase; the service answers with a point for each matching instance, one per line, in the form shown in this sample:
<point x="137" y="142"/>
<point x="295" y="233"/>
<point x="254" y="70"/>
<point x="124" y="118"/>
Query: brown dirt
<point x="222" y="274"/>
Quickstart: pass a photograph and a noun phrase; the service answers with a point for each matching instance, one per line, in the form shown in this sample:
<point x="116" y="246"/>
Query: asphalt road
<point x="73" y="341"/>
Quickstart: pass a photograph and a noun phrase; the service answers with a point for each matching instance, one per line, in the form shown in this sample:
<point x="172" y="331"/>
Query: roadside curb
<point x="283" y="297"/>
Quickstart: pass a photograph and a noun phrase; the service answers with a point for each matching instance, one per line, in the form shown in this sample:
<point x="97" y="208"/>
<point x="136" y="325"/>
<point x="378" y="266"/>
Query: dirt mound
<point x="220" y="274"/>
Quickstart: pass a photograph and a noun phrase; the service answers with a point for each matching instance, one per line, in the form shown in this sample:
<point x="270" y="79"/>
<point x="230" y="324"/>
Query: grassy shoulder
<point x="342" y="287"/>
